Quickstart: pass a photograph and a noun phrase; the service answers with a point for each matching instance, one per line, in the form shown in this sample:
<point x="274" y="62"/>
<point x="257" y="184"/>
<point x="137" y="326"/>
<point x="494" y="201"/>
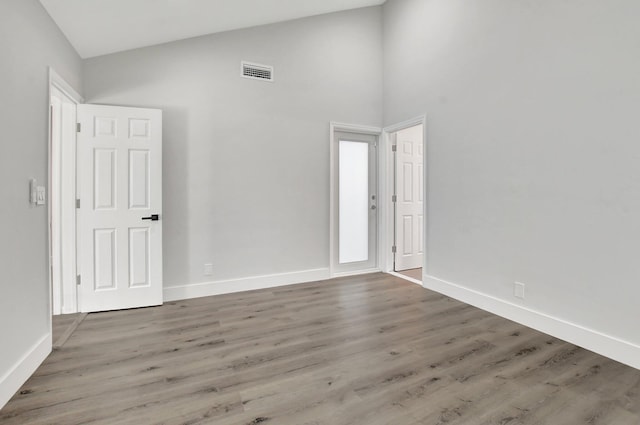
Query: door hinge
<point x="78" y="127"/>
<point x="77" y="203"/>
<point x="394" y="148"/>
<point x="394" y="249"/>
<point x="78" y="280"/>
<point x="394" y="198"/>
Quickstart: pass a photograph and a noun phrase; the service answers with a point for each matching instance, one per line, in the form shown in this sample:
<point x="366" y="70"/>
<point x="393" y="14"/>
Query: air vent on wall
<point x="257" y="72"/>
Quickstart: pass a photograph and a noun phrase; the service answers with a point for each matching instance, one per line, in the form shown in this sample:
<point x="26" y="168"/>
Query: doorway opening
<point x="63" y="105"/>
<point x="105" y="185"/>
<point x="409" y="201"/>
<point x="354" y="200"/>
<point x="406" y="217"/>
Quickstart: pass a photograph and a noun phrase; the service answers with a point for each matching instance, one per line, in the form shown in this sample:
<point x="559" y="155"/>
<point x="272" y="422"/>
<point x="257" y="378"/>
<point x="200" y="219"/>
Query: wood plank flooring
<point x="63" y="327"/>
<point x="61" y="323"/>
<point x="373" y="350"/>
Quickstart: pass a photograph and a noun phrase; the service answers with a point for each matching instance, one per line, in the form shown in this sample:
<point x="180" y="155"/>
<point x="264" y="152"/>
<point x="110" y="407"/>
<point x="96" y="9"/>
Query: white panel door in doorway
<point x="120" y="187"/>
<point x="409" y="198"/>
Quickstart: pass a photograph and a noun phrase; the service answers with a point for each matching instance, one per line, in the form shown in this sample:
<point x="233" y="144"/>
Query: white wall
<point x="534" y="148"/>
<point x="246" y="167"/>
<point x="29" y="43"/>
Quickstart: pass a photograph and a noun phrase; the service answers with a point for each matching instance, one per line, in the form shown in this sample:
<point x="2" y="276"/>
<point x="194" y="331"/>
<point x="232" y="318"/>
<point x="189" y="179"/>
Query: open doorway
<point x="63" y="106"/>
<point x="406" y="218"/>
<point x="409" y="201"/>
<point x="105" y="185"/>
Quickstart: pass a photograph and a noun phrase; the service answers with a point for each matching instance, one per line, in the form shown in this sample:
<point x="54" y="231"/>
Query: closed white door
<point x="409" y="198"/>
<point x="120" y="227"/>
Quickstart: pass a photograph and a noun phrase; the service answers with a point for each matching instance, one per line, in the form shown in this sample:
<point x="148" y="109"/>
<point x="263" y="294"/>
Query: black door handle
<point x="153" y="217"/>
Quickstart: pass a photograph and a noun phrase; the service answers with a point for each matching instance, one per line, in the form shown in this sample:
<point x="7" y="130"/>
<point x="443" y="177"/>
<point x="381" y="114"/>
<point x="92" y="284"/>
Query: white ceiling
<point x="98" y="27"/>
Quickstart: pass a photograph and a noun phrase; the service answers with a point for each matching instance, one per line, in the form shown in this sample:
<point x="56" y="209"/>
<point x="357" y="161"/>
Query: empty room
<point x="327" y="212"/>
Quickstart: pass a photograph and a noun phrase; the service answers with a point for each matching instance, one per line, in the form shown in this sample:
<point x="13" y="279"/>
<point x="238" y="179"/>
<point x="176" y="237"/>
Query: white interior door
<point x="409" y="198"/>
<point x="120" y="186"/>
<point x="356" y="215"/>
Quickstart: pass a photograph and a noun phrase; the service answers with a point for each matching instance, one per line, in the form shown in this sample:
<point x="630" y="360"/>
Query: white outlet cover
<point x="518" y="290"/>
<point x="208" y="269"/>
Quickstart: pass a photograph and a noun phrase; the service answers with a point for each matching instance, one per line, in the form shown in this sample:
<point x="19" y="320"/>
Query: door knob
<point x="153" y="217"/>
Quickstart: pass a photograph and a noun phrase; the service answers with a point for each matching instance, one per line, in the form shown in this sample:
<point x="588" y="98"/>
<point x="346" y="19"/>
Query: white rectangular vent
<point x="257" y="72"/>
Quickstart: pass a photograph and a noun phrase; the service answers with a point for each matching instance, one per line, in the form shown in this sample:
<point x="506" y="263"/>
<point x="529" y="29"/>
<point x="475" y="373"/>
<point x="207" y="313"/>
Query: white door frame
<point x="57" y="82"/>
<point x="347" y="128"/>
<point x="387" y="170"/>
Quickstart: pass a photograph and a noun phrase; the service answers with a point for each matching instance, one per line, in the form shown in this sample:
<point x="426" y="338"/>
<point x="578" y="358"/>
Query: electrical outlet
<point x="518" y="290"/>
<point x="208" y="269"/>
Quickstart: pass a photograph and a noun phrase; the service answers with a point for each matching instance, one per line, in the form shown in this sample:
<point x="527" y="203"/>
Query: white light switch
<point x="40" y="195"/>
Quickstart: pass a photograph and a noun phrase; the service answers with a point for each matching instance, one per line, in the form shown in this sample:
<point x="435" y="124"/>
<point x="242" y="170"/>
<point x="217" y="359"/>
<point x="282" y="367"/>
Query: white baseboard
<point x="354" y="273"/>
<point x="598" y="342"/>
<point x="197" y="290"/>
<point x="11" y="381"/>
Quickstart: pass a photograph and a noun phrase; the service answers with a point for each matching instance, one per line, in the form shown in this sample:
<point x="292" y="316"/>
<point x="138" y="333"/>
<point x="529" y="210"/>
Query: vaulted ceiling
<point x="98" y="27"/>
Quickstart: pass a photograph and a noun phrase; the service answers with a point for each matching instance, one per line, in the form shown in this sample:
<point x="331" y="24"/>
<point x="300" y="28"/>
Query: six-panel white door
<point x="410" y="198"/>
<point x="120" y="187"/>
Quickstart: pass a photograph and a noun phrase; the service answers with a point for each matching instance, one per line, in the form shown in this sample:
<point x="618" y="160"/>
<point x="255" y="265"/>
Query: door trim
<point x="387" y="218"/>
<point x="57" y="82"/>
<point x="347" y="128"/>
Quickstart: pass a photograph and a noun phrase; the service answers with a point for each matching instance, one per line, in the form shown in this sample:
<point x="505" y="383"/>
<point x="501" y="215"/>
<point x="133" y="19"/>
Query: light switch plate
<point x="40" y="195"/>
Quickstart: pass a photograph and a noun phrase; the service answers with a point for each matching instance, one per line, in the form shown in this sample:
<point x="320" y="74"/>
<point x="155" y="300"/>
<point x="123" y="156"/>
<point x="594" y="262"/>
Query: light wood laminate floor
<point x="63" y="327"/>
<point x="61" y="324"/>
<point x="369" y="350"/>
